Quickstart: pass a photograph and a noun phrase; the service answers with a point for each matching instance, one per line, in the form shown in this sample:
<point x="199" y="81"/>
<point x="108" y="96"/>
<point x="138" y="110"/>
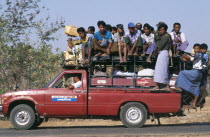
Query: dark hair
<point x="196" y="45"/>
<point x="114" y="28"/>
<point x="163" y="25"/>
<point x="177" y="24"/>
<point x="102" y="23"/>
<point x="81" y="29"/>
<point x="147" y="26"/>
<point x="204" y="46"/>
<point x="97" y="68"/>
<point x="79" y="76"/>
<point x="92" y="28"/>
<point x="108" y="27"/>
<point x="152" y="28"/>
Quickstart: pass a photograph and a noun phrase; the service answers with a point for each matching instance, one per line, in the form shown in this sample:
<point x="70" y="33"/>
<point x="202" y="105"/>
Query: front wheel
<point x="22" y="117"/>
<point x="133" y="115"/>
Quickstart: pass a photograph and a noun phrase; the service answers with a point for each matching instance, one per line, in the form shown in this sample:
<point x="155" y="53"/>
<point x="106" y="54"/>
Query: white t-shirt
<point x="183" y="38"/>
<point x="78" y="84"/>
<point x="149" y="38"/>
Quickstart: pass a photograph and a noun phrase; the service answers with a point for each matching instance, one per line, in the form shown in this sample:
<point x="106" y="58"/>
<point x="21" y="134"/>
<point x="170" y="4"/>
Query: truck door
<point x="60" y="100"/>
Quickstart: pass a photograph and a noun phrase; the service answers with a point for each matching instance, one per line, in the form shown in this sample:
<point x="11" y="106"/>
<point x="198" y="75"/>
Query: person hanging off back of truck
<point x="190" y="80"/>
<point x="179" y="40"/>
<point x="102" y="41"/>
<point x="163" y="44"/>
<point x="84" y="43"/>
<point x="203" y="92"/>
<point x="77" y="82"/>
<point x="133" y="40"/>
<point x="148" y="40"/>
<point x="119" y="39"/>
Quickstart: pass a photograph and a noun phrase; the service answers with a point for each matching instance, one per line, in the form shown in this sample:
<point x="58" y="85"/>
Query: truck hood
<point x="21" y="92"/>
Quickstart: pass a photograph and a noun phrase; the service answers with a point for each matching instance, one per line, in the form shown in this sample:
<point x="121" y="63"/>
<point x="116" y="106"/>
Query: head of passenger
<point x="147" y="29"/>
<point x="108" y="27"/>
<point x="162" y="28"/>
<point x="77" y="78"/>
<point x="196" y="48"/>
<point x="81" y="32"/>
<point x="91" y="30"/>
<point x="101" y="26"/>
<point x="114" y="30"/>
<point x="203" y="48"/>
<point x="120" y="29"/>
<point x="177" y="27"/>
<point x="138" y="26"/>
<point x="152" y="29"/>
<point x="131" y="27"/>
<point x="98" y="68"/>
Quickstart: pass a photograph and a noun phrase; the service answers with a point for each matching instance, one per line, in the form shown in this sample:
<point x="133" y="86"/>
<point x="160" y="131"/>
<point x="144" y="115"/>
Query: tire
<point x="22" y="117"/>
<point x="133" y="115"/>
<point x="38" y="122"/>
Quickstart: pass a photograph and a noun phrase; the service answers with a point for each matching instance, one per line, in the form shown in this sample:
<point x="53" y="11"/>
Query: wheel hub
<point x="133" y="115"/>
<point x="22" y="117"/>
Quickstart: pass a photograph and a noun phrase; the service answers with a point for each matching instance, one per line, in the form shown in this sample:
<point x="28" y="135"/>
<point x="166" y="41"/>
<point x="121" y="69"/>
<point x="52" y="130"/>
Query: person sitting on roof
<point x="80" y="44"/>
<point x="179" y="40"/>
<point x="119" y="39"/>
<point x="148" y="40"/>
<point x="102" y="40"/>
<point x="133" y="40"/>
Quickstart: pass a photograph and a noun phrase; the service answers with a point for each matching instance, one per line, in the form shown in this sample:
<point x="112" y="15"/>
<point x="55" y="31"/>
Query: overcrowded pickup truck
<point x="126" y="98"/>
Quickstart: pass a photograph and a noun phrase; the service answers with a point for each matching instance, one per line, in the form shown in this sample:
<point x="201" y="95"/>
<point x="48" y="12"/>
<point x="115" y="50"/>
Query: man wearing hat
<point x="133" y="40"/>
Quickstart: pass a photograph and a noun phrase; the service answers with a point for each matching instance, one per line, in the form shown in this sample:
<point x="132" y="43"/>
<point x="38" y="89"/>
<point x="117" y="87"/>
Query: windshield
<point x="47" y="85"/>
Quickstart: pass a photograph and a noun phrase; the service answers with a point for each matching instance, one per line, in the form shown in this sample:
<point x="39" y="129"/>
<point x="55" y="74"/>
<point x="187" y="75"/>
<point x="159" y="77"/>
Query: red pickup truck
<point x="128" y="99"/>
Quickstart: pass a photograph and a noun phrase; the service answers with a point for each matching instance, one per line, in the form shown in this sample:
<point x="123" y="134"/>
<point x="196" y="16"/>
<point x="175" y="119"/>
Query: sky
<point x="194" y="15"/>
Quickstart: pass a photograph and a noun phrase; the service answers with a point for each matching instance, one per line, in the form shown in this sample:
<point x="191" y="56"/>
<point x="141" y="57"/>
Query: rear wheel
<point x="22" y="117"/>
<point x="133" y="115"/>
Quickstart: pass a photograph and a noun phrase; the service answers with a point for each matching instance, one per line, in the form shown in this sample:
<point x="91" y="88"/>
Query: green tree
<point x="23" y="62"/>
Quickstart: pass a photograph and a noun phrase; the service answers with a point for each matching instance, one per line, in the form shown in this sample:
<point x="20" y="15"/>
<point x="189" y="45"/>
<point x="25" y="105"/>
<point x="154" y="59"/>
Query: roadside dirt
<point x="192" y="116"/>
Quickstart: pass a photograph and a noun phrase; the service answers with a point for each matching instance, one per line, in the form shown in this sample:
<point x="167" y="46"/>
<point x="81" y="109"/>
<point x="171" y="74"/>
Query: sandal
<point x="155" y="89"/>
<point x="135" y="54"/>
<point x="98" y="54"/>
<point x="165" y="89"/>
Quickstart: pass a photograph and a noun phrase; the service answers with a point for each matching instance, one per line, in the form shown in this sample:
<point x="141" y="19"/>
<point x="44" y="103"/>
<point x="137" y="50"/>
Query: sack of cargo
<point x="76" y="49"/>
<point x="146" y="72"/>
<point x="71" y="30"/>
<point x="72" y="58"/>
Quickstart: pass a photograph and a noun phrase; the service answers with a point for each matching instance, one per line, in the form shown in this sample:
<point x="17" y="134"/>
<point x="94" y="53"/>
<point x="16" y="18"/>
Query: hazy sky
<point x="194" y="15"/>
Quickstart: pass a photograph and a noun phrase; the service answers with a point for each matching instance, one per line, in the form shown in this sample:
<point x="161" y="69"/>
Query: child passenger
<point x="190" y="80"/>
<point x="83" y="42"/>
<point x="119" y="38"/>
<point x="179" y="40"/>
<point x="148" y="40"/>
<point x="133" y="40"/>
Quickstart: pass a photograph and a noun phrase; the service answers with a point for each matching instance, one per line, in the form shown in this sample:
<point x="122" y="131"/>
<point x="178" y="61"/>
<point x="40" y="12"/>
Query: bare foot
<point x="148" y="60"/>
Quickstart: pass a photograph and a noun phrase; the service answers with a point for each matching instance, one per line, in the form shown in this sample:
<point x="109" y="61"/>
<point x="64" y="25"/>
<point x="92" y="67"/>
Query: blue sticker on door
<point x="64" y="98"/>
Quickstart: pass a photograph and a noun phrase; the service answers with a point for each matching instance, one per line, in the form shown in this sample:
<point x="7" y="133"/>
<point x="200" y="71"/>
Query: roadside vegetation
<point x="26" y="57"/>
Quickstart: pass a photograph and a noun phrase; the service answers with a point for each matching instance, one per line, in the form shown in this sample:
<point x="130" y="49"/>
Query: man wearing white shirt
<point x="179" y="40"/>
<point x="77" y="83"/>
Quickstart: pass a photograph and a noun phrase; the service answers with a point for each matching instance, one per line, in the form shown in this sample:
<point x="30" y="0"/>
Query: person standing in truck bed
<point x="163" y="43"/>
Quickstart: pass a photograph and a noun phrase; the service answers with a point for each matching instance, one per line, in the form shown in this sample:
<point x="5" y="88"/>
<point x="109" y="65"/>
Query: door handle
<point x="77" y="91"/>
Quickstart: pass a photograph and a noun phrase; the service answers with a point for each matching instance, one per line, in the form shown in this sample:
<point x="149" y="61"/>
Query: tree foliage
<point x="26" y="58"/>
